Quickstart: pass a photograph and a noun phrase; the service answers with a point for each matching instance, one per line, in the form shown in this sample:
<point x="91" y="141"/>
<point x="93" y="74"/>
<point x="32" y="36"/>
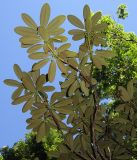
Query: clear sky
<point x="12" y="120"/>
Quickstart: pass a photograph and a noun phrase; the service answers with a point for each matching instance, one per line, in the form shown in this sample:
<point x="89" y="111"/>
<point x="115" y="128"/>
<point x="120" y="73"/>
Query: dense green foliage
<point x="103" y="67"/>
<point x="29" y="149"/>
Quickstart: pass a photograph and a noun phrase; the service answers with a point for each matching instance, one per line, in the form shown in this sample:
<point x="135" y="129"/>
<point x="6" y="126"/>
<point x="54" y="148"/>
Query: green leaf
<point x="11" y="82"/>
<point x="29" y="21"/>
<point x="45" y="14"/>
<point x="38" y="55"/>
<point x="40" y="64"/>
<point x="56" y="22"/>
<point x="34" y="48"/>
<point x="22" y="99"/>
<point x="25" y="31"/>
<point x="52" y="71"/>
<point x="63" y="47"/>
<point x="75" y="21"/>
<point x="17" y="71"/>
<point x="28" y="105"/>
<point x="62" y="67"/>
<point x="28" y="83"/>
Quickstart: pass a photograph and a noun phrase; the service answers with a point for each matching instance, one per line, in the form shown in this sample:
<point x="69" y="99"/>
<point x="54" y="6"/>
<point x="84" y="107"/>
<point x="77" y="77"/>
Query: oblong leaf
<point x="29" y="21"/>
<point x="63" y="47"/>
<point x="40" y="81"/>
<point x="35" y="48"/>
<point x="28" y="105"/>
<point x="52" y="71"/>
<point x="62" y="67"/>
<point x="30" y="40"/>
<point x="56" y="22"/>
<point x="48" y="88"/>
<point x="27" y="82"/>
<point x="38" y="55"/>
<point x="71" y="54"/>
<point x="73" y="88"/>
<point x="40" y="64"/>
<point x="17" y="92"/>
<point x="17" y="71"/>
<point x="41" y="132"/>
<point x="45" y="14"/>
<point x="75" y="21"/>
<point x="11" y="82"/>
<point x="25" y="31"/>
<point x="22" y="99"/>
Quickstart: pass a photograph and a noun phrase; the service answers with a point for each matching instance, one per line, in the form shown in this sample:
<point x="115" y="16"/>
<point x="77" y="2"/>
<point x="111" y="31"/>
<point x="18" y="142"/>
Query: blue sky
<point x="12" y="120"/>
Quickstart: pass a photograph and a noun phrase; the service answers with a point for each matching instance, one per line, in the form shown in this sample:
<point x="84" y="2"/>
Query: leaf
<point x="100" y="27"/>
<point x="39" y="111"/>
<point x="73" y="62"/>
<point x="28" y="83"/>
<point x="98" y="61"/>
<point x="35" y="48"/>
<point x="56" y="22"/>
<point x="29" y="21"/>
<point x="34" y="123"/>
<point x="78" y="37"/>
<point x="84" y="88"/>
<point x="60" y="38"/>
<point x="56" y="31"/>
<point x="41" y="132"/>
<point x="87" y="18"/>
<point x="75" y="21"/>
<point x="130" y="89"/>
<point x="76" y="31"/>
<point x="17" y="92"/>
<point x="30" y="40"/>
<point x="45" y="14"/>
<point x="124" y="94"/>
<point x="68" y="82"/>
<point x="43" y="33"/>
<point x="63" y="47"/>
<point x="52" y="71"/>
<point x="28" y="105"/>
<point x="95" y="18"/>
<point x="40" y="64"/>
<point x="48" y="88"/>
<point x="73" y="88"/>
<point x="105" y="53"/>
<point x="38" y="55"/>
<point x="69" y="140"/>
<point x="17" y="71"/>
<point x="63" y="103"/>
<point x="64" y="109"/>
<point x="56" y="96"/>
<point x="40" y="81"/>
<point x="25" y="31"/>
<point x="22" y="99"/>
<point x="62" y="67"/>
<point x="11" y="82"/>
<point x="70" y="54"/>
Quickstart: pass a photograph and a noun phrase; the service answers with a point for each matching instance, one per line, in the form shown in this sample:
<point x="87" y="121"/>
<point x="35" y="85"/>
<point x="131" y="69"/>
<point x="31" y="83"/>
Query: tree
<point x="30" y="149"/>
<point x="89" y="129"/>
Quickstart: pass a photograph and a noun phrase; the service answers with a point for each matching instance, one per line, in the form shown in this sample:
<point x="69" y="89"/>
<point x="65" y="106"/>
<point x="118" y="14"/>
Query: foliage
<point x="124" y="44"/>
<point x="30" y="149"/>
<point x="121" y="11"/>
<point x="89" y="129"/>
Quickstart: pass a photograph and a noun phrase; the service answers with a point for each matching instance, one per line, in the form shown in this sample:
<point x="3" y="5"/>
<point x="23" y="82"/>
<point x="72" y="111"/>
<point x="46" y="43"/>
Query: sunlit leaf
<point x="75" y="21"/>
<point x="29" y="21"/>
<point x="45" y="14"/>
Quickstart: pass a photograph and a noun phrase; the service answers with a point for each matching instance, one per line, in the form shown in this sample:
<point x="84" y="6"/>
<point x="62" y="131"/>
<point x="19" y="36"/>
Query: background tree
<point x="29" y="149"/>
<point x="95" y="131"/>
